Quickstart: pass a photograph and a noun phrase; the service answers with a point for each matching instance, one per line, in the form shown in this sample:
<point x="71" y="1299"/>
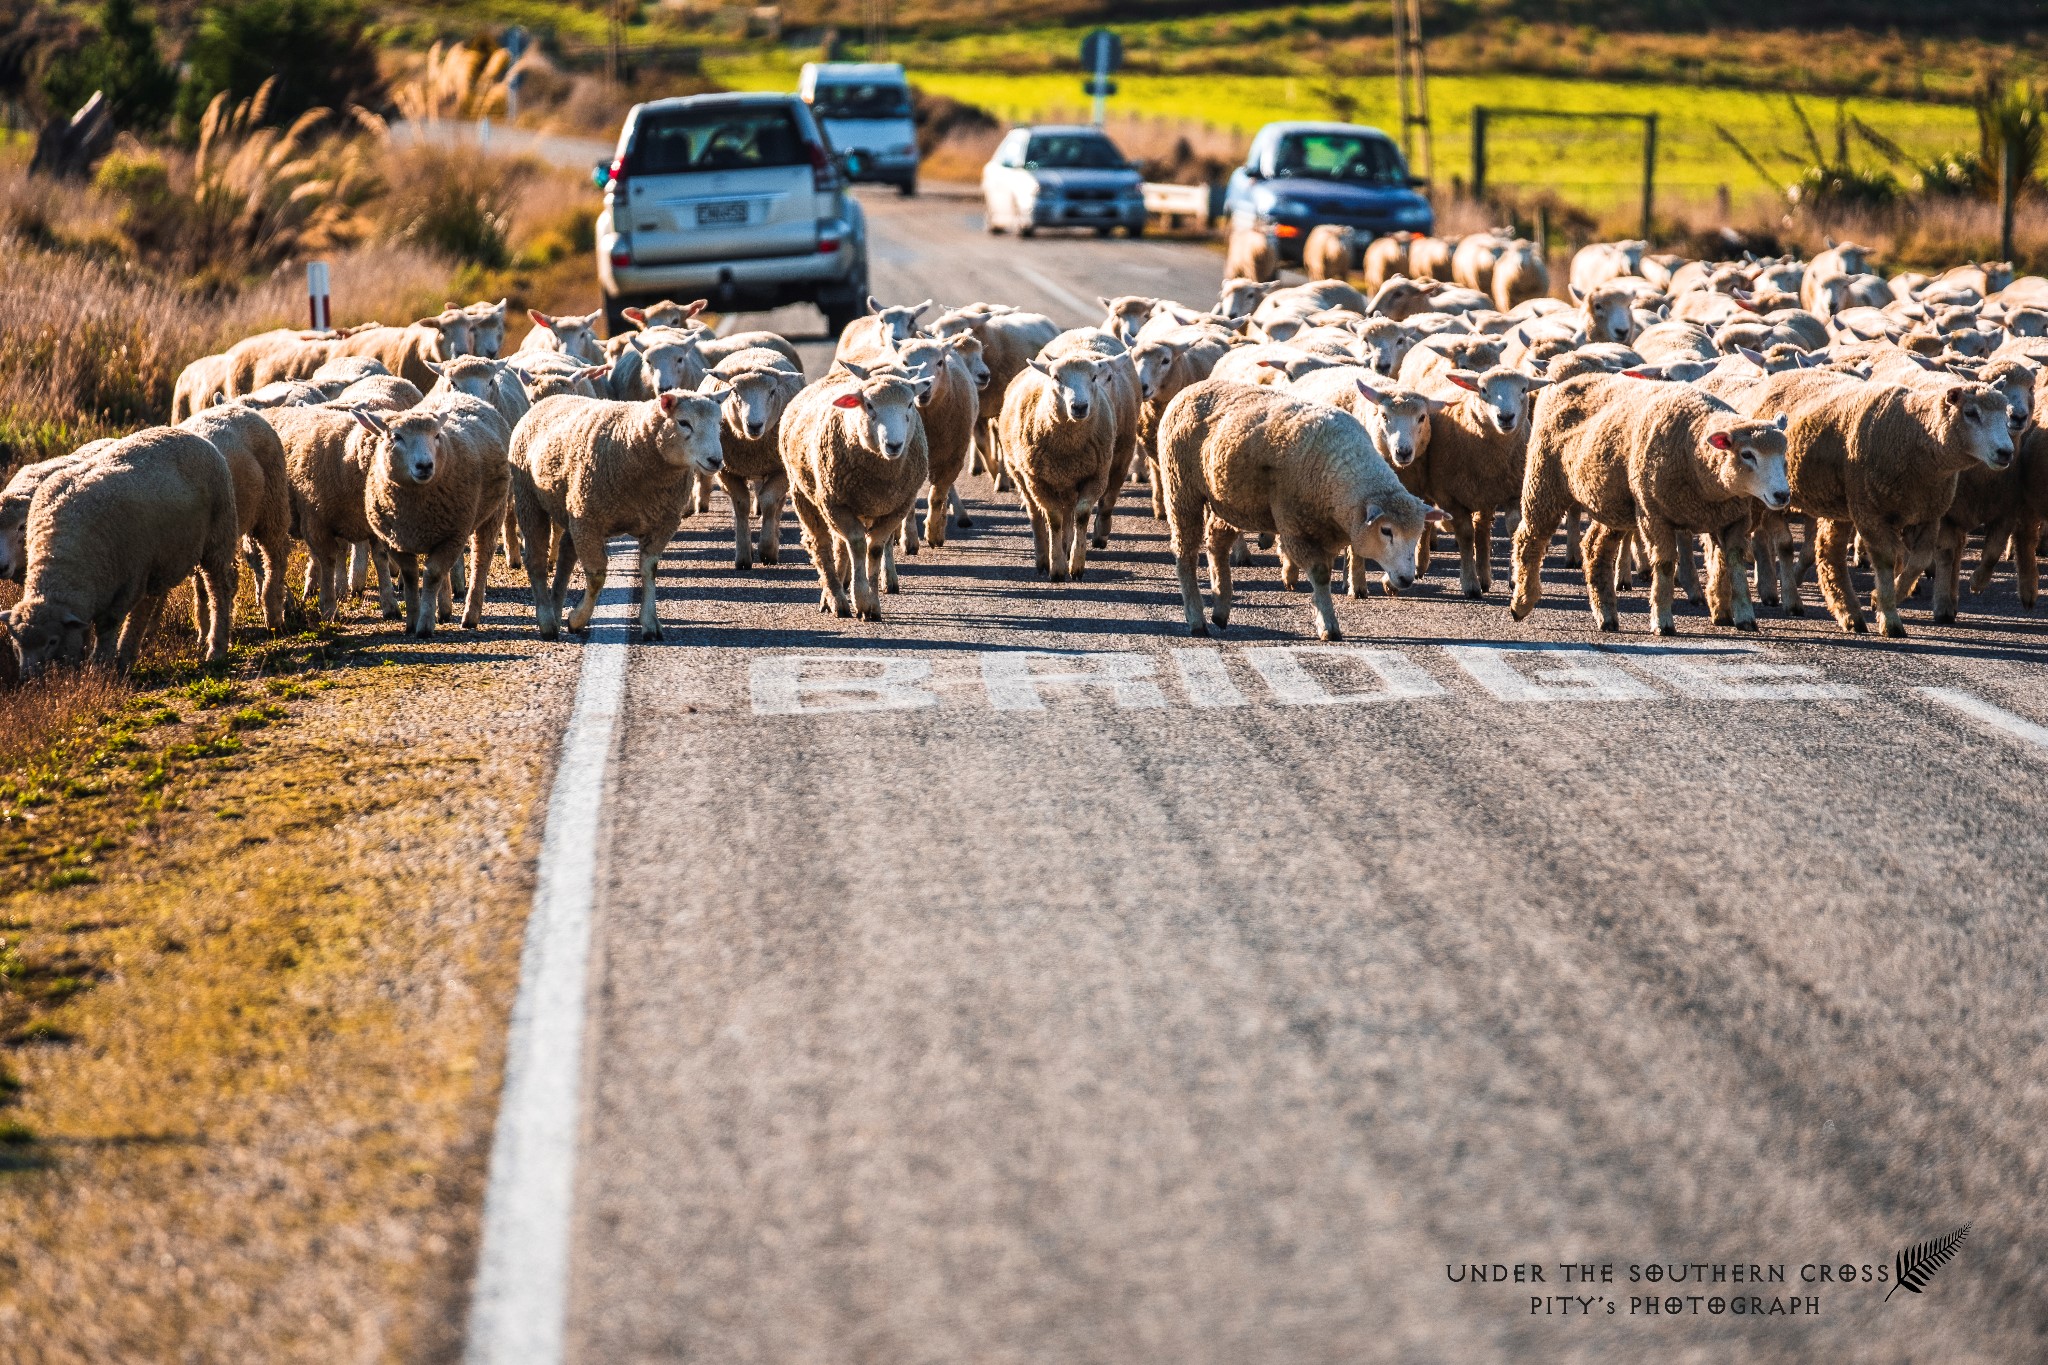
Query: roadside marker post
<point x="322" y="315"/>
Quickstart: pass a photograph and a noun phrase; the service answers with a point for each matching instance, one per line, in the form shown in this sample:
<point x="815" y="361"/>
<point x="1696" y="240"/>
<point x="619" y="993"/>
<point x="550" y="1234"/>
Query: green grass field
<point x="1594" y="164"/>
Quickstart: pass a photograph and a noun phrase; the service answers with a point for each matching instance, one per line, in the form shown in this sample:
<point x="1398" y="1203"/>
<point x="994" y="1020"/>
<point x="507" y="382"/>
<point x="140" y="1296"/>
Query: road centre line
<point x="519" y="1311"/>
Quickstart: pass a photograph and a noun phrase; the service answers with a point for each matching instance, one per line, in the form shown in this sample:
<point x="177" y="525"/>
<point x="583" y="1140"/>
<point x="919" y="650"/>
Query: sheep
<point x="1250" y="256"/>
<point x="199" y="385"/>
<point x="1675" y="341"/>
<point x="1438" y="354"/>
<point x="1473" y="463"/>
<point x="338" y="372"/>
<point x="662" y="358"/>
<point x="16" y="498"/>
<point x="1607" y="311"/>
<point x="436" y="483"/>
<point x="667" y="313"/>
<point x="713" y="350"/>
<point x="1058" y="437"/>
<point x="406" y="351"/>
<point x="1401" y="298"/>
<point x="1519" y="275"/>
<point x="1840" y="258"/>
<point x="759" y="385"/>
<point x="866" y="337"/>
<point x="1301" y="300"/>
<point x="855" y="451"/>
<point x="1472" y="263"/>
<point x="486" y="328"/>
<point x="1329" y="252"/>
<point x="288" y="394"/>
<point x="1165" y="365"/>
<point x="948" y="410"/>
<point x="326" y="456"/>
<point x="591" y="469"/>
<point x="1881" y="459"/>
<point x="1240" y="295"/>
<point x="497" y="383"/>
<point x="1385" y="256"/>
<point x="273" y="350"/>
<point x="385" y="392"/>
<point x="1237" y="459"/>
<point x="1119" y="377"/>
<point x="263" y="494"/>
<point x="1009" y="341"/>
<point x="1429" y="258"/>
<point x="1598" y="262"/>
<point x="110" y="536"/>
<point x="569" y="333"/>
<point x="1661" y="461"/>
<point x="1127" y="315"/>
<point x="1395" y="418"/>
<point x="1268" y="363"/>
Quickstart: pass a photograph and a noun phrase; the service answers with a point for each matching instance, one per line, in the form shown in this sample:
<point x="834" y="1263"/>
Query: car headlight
<point x="1291" y="208"/>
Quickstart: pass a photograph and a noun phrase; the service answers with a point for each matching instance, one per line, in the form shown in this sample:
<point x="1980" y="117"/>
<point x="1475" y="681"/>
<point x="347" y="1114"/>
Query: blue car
<point x="1299" y="176"/>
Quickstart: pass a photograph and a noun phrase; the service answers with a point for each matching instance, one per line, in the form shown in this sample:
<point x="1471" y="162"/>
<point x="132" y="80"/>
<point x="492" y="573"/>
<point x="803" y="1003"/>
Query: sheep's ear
<point x="73" y="621"/>
<point x="432" y="366"/>
<point x="1535" y="384"/>
<point x="1577" y="297"/>
<point x="857" y="371"/>
<point x="1038" y="364"/>
<point x="370" y="421"/>
<point x="593" y="371"/>
<point x="1464" y="379"/>
<point x="1755" y="358"/>
<point x="1784" y="421"/>
<point x="874" y="304"/>
<point x="541" y="319"/>
<point x="1268" y="362"/>
<point x="1720" y="440"/>
<point x="694" y="307"/>
<point x="1643" y="372"/>
<point x="718" y="394"/>
<point x="636" y="316"/>
<point x="1373" y="512"/>
<point x="1830" y="241"/>
<point x="668" y="400"/>
<point x="1104" y="302"/>
<point x="1436" y="516"/>
<point x="847" y="400"/>
<point x="1372" y="393"/>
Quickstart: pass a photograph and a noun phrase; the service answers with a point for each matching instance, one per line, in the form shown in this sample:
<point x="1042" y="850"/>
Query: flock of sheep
<point x="1674" y="404"/>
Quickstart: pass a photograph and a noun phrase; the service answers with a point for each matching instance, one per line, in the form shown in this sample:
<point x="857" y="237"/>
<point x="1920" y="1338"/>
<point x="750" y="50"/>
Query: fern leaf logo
<point x="1915" y="1265"/>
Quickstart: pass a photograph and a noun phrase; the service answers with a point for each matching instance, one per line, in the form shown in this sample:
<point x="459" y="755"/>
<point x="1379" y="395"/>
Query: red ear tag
<point x="1719" y="441"/>
<point x="846" y="400"/>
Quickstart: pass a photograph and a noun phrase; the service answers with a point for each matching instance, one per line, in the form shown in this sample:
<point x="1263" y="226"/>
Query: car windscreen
<point x="714" y="138"/>
<point x="1340" y="156"/>
<point x="882" y="99"/>
<point x="1071" y="151"/>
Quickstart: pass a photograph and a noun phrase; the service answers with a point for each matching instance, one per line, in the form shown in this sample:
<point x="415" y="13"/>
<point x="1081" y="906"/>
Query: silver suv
<point x="734" y="198"/>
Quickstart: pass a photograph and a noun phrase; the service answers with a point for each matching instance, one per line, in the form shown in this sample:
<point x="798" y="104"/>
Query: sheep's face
<point x="1501" y="395"/>
<point x="1974" y="341"/>
<point x="885" y="406"/>
<point x="667" y="313"/>
<point x="469" y="374"/>
<point x="1388" y="533"/>
<point x="1393" y="345"/>
<point x="923" y="359"/>
<point x="1127" y="313"/>
<point x="2026" y="322"/>
<point x="898" y="323"/>
<point x="574" y="336"/>
<point x="45" y="634"/>
<point x="453" y="325"/>
<point x="408" y="444"/>
<point x="486" y="328"/>
<point x="1855" y="259"/>
<point x="1398" y="422"/>
<point x="1240" y="297"/>
<point x="668" y="359"/>
<point x="752" y="405"/>
<point x="1980" y="423"/>
<point x="2015" y="383"/>
<point x="690" y="426"/>
<point x="1611" y="316"/>
<point x="1750" y="458"/>
<point x="1153" y="359"/>
<point x="1076" y="384"/>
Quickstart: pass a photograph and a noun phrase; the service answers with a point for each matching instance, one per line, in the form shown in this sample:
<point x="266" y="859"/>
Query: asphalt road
<point x="1223" y="1007"/>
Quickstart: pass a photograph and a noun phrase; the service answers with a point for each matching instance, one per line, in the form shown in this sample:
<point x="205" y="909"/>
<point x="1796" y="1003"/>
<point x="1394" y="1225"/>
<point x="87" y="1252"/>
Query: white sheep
<point x="759" y="384"/>
<point x="263" y="494"/>
<point x="1058" y="438"/>
<point x="569" y="333"/>
<point x="436" y="484"/>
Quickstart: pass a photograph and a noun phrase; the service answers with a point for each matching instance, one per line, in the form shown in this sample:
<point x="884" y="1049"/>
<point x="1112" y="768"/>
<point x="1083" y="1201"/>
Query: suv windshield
<point x="717" y="138"/>
<point x="1339" y="156"/>
<point x="883" y="100"/>
<point x="1069" y="151"/>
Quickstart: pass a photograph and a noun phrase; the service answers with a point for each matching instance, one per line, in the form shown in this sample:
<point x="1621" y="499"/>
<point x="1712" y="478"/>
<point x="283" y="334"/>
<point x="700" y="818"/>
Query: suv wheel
<point x="615" y="323"/>
<point x="908" y="187"/>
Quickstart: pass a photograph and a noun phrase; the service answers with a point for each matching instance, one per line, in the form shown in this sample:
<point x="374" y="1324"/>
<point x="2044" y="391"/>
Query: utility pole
<point x="611" y="44"/>
<point x="1411" y="84"/>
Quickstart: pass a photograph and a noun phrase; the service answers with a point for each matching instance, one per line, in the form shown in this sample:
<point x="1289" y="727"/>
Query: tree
<point x="319" y="51"/>
<point x="121" y="62"/>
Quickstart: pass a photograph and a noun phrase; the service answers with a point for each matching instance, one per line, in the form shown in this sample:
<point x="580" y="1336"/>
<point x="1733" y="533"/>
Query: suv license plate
<point x="710" y="214"/>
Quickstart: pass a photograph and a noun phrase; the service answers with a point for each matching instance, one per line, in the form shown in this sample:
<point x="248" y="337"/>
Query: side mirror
<point x="1418" y="182"/>
<point x="852" y="163"/>
<point x="601" y="174"/>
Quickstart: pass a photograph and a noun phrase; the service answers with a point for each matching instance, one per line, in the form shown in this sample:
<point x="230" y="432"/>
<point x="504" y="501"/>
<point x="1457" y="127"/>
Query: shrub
<point x="121" y="62"/>
<point x="459" y="206"/>
<point x="317" y="51"/>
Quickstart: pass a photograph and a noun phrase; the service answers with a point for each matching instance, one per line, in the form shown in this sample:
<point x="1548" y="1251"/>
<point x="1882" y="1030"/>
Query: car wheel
<point x="1026" y="230"/>
<point x="615" y="323"/>
<point x="1104" y="231"/>
<point x="907" y="188"/>
<point x="1135" y="230"/>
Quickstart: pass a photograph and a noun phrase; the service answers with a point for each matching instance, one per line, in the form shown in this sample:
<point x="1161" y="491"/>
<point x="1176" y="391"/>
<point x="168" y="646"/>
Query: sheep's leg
<point x="1482" y="545"/>
<point x="1059" y="516"/>
<point x="959" y="505"/>
<point x="2027" y="557"/>
<point x="742" y="532"/>
<point x="1221" y="538"/>
<point x="1602" y="550"/>
<point x="122" y="649"/>
<point x="534" y="526"/>
<point x="483" y="545"/>
<point x="1464" y="530"/>
<point x="1041" y="536"/>
<point x="448" y="585"/>
<point x="1728" y="580"/>
<point x="1948" y="571"/>
<point x="565" y="569"/>
<point x="1158" y="490"/>
<point x="650" y="563"/>
<point x="386" y="573"/>
<point x="863" y="566"/>
<point x="1830" y="549"/>
<point x="978" y="449"/>
<point x="1354" y="576"/>
<point x="1184" y="529"/>
<point x="824" y="549"/>
<point x="1318" y="568"/>
<point x="1856" y="551"/>
<point x="906" y="534"/>
<point x="1105" y="506"/>
<point x="359" y="569"/>
<point x="275" y="551"/>
<point x="419" y="612"/>
<point x="326" y="561"/>
<point x="1290" y="572"/>
<point x="220" y="578"/>
<point x="1543" y="507"/>
<point x="591" y="559"/>
<point x="511" y="535"/>
<point x="942" y="502"/>
<point x="1077" y="547"/>
<point x="1689" y="571"/>
<point x="882" y="551"/>
<point x="458" y="575"/>
<point x="768" y="514"/>
<point x="1574" y="551"/>
<point x="1786" y="557"/>
<point x="1660" y="546"/>
<point x="1997" y="539"/>
<point x="1886" y="551"/>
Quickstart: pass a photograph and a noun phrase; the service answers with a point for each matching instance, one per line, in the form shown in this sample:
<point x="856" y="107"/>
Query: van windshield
<point x="717" y="138"/>
<point x="1071" y="151"/>
<point x="866" y="100"/>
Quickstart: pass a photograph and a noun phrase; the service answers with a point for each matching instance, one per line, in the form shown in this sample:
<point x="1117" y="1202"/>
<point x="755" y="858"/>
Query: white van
<point x="864" y="107"/>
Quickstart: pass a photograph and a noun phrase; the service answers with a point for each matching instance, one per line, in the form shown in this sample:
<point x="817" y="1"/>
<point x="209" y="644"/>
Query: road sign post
<point x="318" y="309"/>
<point x="1101" y="53"/>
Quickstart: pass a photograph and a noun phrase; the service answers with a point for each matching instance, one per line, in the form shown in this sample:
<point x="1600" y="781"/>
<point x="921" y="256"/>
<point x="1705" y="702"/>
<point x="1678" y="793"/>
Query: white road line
<point x="519" y="1312"/>
<point x="1984" y="713"/>
<point x="1056" y="289"/>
